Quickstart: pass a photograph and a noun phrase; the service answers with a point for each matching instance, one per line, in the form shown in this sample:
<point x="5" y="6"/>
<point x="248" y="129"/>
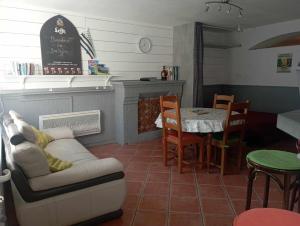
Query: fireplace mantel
<point x="127" y="95"/>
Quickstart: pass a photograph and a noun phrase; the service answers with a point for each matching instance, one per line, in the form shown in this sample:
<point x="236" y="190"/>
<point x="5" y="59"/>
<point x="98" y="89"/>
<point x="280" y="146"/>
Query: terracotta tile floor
<point x="159" y="196"/>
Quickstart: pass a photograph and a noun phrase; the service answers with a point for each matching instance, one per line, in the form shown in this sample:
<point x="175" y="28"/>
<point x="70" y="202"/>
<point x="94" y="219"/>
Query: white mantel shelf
<point x="53" y="81"/>
<point x="25" y="92"/>
<point x="145" y="83"/>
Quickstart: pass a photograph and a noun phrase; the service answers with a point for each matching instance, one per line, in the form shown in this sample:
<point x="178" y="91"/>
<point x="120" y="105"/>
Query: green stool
<point x="270" y="163"/>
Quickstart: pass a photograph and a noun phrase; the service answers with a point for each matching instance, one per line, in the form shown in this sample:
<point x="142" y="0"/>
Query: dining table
<point x="200" y="120"/>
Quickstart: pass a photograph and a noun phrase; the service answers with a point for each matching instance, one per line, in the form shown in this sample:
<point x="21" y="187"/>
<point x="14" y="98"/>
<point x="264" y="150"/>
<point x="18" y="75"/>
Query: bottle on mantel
<point x="164" y="73"/>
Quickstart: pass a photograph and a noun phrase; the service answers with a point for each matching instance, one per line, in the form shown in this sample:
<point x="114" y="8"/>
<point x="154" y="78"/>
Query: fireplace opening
<point x="148" y="111"/>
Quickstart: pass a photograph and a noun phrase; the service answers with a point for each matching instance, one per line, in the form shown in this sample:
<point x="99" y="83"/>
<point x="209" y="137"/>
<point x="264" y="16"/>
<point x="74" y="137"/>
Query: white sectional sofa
<point x="92" y="190"/>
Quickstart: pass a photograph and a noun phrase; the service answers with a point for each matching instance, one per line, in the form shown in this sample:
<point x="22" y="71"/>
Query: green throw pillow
<point x="56" y="164"/>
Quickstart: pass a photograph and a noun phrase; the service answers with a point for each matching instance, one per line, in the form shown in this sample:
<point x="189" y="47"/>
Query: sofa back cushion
<point x="15" y="115"/>
<point x="29" y="151"/>
<point x="32" y="134"/>
<point x="41" y="139"/>
<point x="7" y="120"/>
<point x="15" y="137"/>
<point x="12" y="132"/>
<point x="31" y="159"/>
<point x="25" y="129"/>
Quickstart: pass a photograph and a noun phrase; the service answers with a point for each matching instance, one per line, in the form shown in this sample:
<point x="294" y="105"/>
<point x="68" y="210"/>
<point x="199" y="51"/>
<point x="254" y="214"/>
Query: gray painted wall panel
<point x="263" y="98"/>
<point x="104" y="103"/>
<point x="273" y="99"/>
<point x="208" y="94"/>
<point x="31" y="106"/>
<point x="83" y="102"/>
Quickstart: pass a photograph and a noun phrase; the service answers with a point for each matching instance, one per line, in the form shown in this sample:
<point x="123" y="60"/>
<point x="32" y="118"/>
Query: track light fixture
<point x="226" y="4"/>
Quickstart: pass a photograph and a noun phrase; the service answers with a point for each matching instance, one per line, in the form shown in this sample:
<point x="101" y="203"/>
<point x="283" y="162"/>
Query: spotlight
<point x="207" y="8"/>
<point x="239" y="28"/>
<point x="240" y="14"/>
<point x="228" y="10"/>
<point x="220" y="8"/>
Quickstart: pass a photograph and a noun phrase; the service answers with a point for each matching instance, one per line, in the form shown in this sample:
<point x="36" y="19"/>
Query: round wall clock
<point x="145" y="45"/>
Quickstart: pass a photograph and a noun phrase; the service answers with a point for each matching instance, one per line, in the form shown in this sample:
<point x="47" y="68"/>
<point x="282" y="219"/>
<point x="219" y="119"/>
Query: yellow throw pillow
<point x="56" y="164"/>
<point x="41" y="139"/>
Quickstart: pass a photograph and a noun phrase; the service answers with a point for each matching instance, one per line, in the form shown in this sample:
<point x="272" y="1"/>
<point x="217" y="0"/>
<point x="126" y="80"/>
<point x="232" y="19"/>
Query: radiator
<point x="82" y="123"/>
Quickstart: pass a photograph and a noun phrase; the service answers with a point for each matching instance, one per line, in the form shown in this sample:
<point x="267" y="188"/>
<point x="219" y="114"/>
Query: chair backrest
<point x="222" y="101"/>
<point x="236" y="121"/>
<point x="170" y="110"/>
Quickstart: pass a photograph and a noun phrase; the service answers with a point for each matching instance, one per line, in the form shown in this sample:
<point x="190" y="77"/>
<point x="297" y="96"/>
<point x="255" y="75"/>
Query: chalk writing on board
<point x="60" y="46"/>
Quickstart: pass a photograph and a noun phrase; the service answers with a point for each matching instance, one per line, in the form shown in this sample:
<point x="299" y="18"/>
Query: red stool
<point x="267" y="217"/>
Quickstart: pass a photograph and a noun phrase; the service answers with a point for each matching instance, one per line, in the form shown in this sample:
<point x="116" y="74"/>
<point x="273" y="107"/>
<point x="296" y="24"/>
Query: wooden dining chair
<point x="172" y="131"/>
<point x="222" y="101"/>
<point x="233" y="135"/>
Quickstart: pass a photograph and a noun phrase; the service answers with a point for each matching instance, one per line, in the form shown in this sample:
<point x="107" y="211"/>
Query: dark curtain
<point x="198" y="66"/>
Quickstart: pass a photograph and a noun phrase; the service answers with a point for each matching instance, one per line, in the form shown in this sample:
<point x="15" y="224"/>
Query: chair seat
<point x="187" y="138"/>
<point x="274" y="159"/>
<point x="233" y="139"/>
<point x="267" y="217"/>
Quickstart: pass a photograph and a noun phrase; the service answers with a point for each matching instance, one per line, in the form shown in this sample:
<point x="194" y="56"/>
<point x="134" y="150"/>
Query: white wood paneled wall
<point x="115" y="41"/>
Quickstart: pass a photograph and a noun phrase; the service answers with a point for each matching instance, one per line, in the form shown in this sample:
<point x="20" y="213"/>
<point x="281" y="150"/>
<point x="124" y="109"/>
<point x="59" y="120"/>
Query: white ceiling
<point x="175" y="12"/>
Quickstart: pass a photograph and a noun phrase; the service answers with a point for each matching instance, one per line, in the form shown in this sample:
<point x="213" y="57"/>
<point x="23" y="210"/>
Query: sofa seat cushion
<point x="77" y="173"/>
<point x="60" y="133"/>
<point x="56" y="164"/>
<point x="69" y="150"/>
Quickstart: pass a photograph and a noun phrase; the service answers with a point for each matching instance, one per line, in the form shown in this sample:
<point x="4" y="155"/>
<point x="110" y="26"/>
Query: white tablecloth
<point x="199" y="120"/>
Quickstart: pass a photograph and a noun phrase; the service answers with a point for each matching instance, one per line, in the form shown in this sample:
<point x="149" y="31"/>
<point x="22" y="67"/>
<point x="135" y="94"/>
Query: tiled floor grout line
<point x="227" y="195"/>
<point x="169" y="197"/>
<point x="198" y="190"/>
<point x="255" y="192"/>
<point x="141" y="195"/>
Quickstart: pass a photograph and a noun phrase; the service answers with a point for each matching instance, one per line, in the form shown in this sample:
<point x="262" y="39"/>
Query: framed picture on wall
<point x="284" y="63"/>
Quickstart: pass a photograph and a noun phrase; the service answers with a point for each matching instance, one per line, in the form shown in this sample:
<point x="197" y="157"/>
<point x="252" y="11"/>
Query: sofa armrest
<point x="60" y="133"/>
<point x="76" y="174"/>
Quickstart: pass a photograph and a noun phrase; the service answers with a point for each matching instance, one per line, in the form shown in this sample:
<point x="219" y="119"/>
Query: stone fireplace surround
<point x="127" y="95"/>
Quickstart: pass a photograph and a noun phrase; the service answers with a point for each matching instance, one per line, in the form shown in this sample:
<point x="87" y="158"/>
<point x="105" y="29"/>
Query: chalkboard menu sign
<point x="60" y="46"/>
